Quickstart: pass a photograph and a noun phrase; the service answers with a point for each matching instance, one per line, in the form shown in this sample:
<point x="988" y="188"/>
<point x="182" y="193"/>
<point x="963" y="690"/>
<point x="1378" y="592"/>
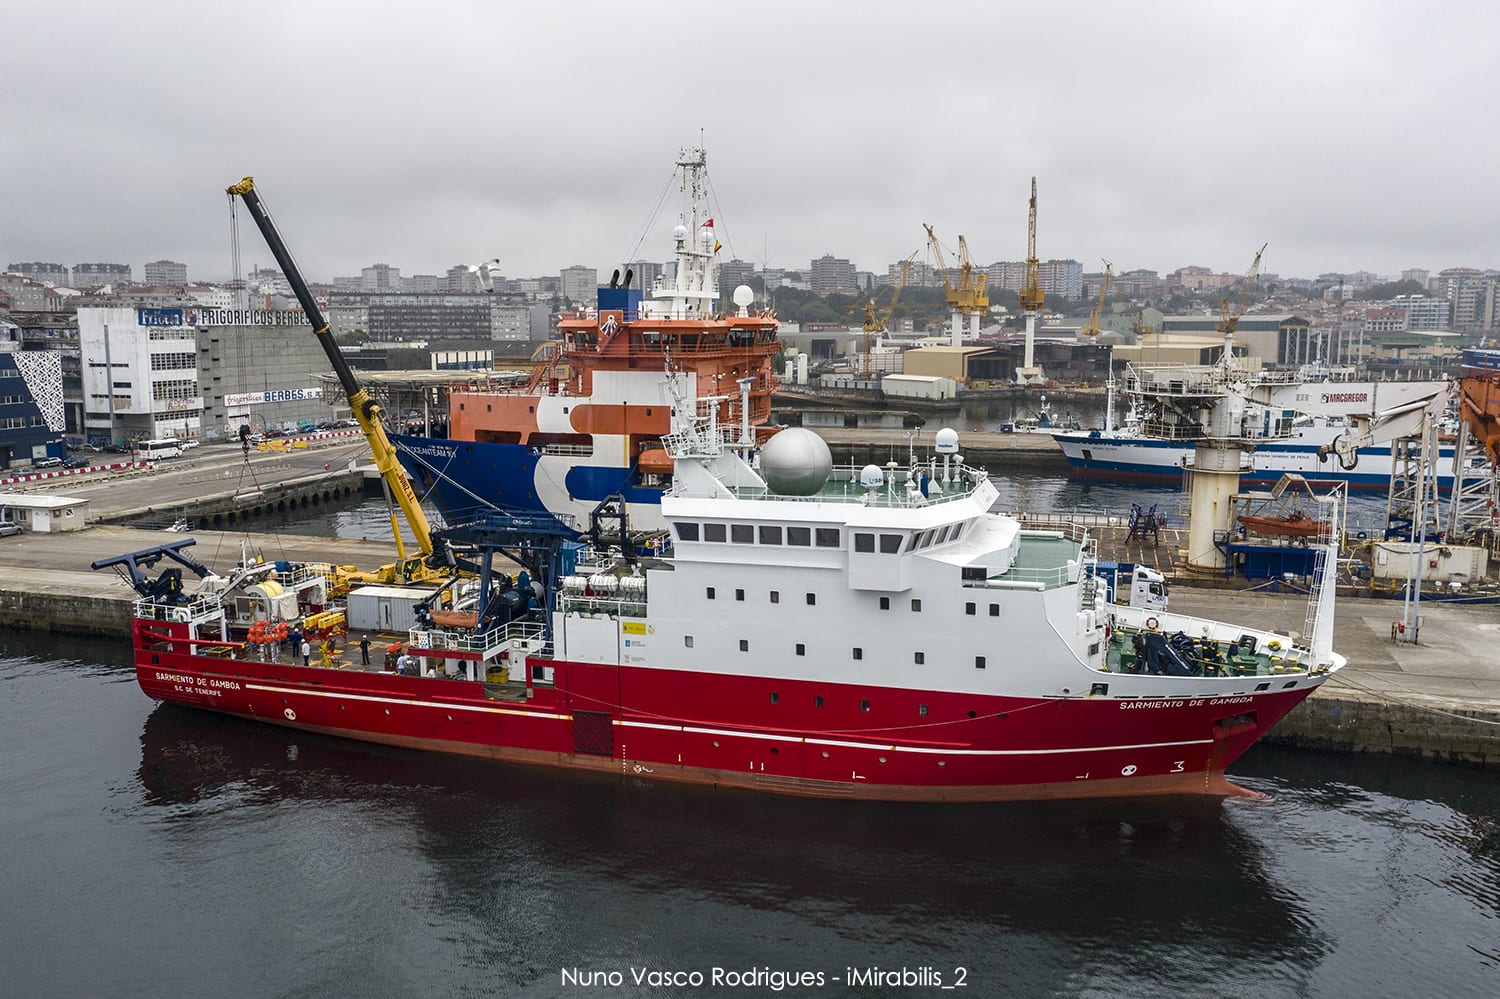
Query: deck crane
<point x="366" y="410"/>
<point x="1092" y="329"/>
<point x="1032" y="298"/>
<point x="876" y="322"/>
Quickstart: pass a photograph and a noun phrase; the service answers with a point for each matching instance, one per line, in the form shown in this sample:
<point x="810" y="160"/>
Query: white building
<point x="580" y="285"/>
<point x="181" y="372"/>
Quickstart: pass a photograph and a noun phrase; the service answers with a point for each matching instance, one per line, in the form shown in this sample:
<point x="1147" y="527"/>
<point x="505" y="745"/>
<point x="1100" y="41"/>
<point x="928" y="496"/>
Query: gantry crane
<point x="1032" y="297"/>
<point x="1092" y="329"/>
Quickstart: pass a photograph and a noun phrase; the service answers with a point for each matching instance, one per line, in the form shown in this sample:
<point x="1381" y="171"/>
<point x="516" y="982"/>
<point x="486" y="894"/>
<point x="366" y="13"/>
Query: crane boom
<point x="366" y="410"/>
<point x="1092" y="329"/>
<point x="1032" y="297"/>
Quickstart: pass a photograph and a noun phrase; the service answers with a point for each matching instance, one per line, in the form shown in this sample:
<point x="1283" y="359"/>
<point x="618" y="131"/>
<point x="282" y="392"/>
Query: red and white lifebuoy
<point x="1153" y="624"/>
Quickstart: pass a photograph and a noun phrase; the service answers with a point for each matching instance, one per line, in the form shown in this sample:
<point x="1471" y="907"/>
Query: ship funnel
<point x="614" y="279"/>
<point x="628" y="275"/>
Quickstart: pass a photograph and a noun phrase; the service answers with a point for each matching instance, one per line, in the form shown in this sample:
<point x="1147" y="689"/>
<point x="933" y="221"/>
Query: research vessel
<point x="792" y="627"/>
<point x="798" y="628"/>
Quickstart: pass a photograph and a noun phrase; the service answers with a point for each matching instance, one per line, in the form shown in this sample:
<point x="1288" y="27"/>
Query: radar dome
<point x="706" y="236"/>
<point x="680" y="233"/>
<point x="744" y="295"/>
<point x="871" y="476"/>
<point x="947" y="441"/>
<point x="796" y="462"/>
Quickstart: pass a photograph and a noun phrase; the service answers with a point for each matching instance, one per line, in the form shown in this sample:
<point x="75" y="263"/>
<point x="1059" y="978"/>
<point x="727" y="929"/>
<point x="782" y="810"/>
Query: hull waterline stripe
<point x="484" y="709"/>
<point x="886" y="747"/>
<point x="731" y="733"/>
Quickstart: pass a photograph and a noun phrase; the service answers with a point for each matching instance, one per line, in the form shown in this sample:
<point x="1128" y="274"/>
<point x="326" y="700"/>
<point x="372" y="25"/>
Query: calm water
<point x="156" y="851"/>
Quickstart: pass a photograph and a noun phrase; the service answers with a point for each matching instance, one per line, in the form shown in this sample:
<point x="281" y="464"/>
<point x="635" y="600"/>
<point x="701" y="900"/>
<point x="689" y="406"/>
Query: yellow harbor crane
<point x="1033" y="299"/>
<point x="876" y="322"/>
<point x="1229" y="316"/>
<point x="1092" y="329"/>
<point x="967" y="296"/>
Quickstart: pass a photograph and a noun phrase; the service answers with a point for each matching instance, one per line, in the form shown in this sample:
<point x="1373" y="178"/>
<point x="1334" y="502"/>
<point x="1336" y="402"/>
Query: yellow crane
<point x="367" y="411"/>
<point x="1092" y="329"/>
<point x="1032" y="297"/>
<point x="967" y="296"/>
<point x="1229" y="316"/>
<point x="876" y="322"/>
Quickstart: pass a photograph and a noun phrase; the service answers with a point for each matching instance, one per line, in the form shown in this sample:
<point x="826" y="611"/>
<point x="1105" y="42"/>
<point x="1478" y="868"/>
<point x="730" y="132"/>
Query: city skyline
<point x="1162" y="138"/>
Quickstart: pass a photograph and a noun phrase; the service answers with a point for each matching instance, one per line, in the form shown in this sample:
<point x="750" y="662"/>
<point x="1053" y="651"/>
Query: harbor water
<point x="152" y="850"/>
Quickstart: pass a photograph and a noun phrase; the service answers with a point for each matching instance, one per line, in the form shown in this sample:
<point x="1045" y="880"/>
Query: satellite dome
<point x="947" y="441"/>
<point x="706" y="236"/>
<point x="744" y="295"/>
<point x="871" y="476"/>
<point x="796" y="462"/>
<point x="680" y="233"/>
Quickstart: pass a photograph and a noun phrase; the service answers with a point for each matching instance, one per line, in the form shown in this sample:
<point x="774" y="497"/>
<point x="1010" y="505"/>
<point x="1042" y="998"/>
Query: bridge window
<point x="864" y="542"/>
<point x="714" y="532"/>
<point x="770" y="535"/>
<point x="890" y="544"/>
<point x="799" y="536"/>
<point x="827" y="537"/>
<point x="742" y="534"/>
<point x="687" y="531"/>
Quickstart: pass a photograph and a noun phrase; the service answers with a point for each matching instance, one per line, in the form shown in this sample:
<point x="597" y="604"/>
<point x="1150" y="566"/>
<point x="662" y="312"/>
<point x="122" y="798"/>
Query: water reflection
<point x="526" y="854"/>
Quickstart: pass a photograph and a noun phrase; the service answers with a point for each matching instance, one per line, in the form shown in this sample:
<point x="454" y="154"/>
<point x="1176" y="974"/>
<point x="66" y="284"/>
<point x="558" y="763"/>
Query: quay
<point x="1438" y="700"/>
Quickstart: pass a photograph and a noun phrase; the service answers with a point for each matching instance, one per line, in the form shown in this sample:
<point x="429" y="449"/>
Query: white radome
<point x="796" y="462"/>
<point x="947" y="441"/>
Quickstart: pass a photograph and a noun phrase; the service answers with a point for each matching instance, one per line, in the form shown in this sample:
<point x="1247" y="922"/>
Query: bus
<point x="166" y="447"/>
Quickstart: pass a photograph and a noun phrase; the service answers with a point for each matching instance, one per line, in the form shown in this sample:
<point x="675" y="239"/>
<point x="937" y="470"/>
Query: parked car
<point x="48" y="462"/>
<point x="7" y="529"/>
<point x="77" y="461"/>
<point x="187" y="445"/>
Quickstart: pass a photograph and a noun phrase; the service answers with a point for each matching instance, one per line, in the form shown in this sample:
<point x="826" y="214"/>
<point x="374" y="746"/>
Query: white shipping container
<point x="1440" y="563"/>
<point x="389" y="609"/>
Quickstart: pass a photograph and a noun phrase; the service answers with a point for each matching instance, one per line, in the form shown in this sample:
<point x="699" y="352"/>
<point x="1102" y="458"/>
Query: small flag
<point x="718" y="246"/>
<point x="707" y="225"/>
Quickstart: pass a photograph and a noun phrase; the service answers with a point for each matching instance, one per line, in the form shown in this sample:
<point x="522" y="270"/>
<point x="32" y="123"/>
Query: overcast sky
<point x="1349" y="136"/>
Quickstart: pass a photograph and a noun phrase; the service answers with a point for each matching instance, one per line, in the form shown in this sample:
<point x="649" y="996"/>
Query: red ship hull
<point x="824" y="740"/>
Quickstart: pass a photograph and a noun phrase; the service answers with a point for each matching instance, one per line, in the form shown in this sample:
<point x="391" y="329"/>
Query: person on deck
<point x="364" y="651"/>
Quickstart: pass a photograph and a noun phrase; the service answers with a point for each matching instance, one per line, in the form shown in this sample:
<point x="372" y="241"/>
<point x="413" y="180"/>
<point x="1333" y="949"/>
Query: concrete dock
<point x="1439" y="699"/>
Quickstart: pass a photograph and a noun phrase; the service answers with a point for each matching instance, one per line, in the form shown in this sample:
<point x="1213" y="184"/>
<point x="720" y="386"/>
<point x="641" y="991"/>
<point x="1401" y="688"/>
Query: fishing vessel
<point x="1280" y="440"/>
<point x="589" y="423"/>
<point x="798" y="628"/>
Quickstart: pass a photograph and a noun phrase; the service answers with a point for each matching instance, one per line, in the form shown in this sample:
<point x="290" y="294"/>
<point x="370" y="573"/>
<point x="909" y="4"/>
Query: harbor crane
<point x="1033" y="300"/>
<point x="1229" y="316"/>
<point x="966" y="296"/>
<point x="1092" y="329"/>
<point x="875" y="322"/>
